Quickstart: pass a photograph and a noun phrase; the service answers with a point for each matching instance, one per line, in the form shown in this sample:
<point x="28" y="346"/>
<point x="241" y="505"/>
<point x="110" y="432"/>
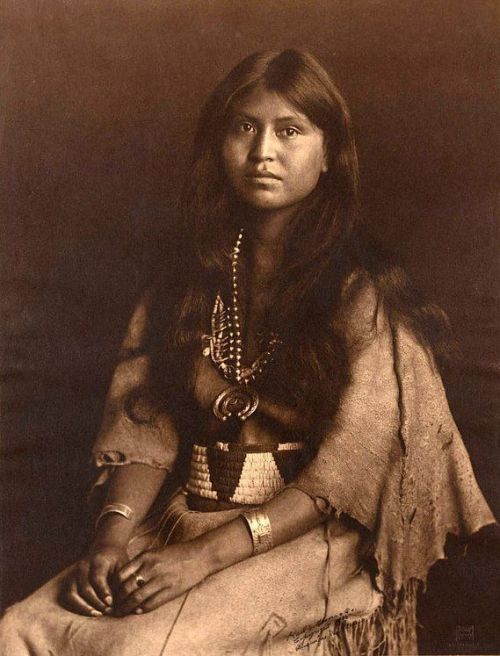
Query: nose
<point x="263" y="147"/>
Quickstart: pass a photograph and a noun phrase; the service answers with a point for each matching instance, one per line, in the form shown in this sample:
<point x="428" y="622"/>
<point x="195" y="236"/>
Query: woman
<point x="283" y="397"/>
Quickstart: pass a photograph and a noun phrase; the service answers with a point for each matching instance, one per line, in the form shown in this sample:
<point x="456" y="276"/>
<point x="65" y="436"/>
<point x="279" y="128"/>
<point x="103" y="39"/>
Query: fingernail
<point x="108" y="610"/>
<point x="95" y="613"/>
<point x="138" y="611"/>
<point x="108" y="600"/>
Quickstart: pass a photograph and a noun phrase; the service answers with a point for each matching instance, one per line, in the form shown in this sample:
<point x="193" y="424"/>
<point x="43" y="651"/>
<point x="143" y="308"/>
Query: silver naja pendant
<point x="236" y="402"/>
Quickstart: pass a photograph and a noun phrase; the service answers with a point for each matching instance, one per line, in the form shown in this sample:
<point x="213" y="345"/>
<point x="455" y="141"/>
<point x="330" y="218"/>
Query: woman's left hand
<point x="154" y="577"/>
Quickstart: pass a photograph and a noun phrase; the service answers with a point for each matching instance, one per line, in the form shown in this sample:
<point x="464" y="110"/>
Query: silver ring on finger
<point x="140" y="581"/>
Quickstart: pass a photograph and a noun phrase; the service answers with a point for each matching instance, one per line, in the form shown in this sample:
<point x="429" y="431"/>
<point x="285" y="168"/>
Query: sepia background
<point x="98" y="103"/>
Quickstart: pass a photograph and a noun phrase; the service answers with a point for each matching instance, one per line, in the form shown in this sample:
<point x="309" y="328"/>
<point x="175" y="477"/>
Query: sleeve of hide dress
<point x="393" y="458"/>
<point x="125" y="437"/>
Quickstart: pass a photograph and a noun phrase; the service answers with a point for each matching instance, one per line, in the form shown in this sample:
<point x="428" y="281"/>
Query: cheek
<point x="232" y="158"/>
<point x="317" y="158"/>
<point x="307" y="168"/>
<point x="319" y="162"/>
<point x="226" y="159"/>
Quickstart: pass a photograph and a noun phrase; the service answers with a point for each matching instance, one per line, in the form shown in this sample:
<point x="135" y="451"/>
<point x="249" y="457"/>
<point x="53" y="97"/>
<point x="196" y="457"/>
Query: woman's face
<point x="273" y="154"/>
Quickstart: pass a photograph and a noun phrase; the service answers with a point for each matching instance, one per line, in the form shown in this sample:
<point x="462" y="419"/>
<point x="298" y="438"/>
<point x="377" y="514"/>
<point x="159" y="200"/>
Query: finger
<point x="77" y="604"/>
<point x="129" y="586"/>
<point x="140" y="595"/>
<point x="130" y="568"/>
<point x="156" y="600"/>
<point x="87" y="592"/>
<point x="98" y="577"/>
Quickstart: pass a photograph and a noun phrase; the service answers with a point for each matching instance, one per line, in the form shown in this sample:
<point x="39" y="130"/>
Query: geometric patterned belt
<point x="243" y="473"/>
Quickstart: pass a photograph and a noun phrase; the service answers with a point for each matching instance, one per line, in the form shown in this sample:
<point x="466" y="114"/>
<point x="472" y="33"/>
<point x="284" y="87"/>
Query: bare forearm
<point x="176" y="568"/>
<point x="136" y="486"/>
<point x="291" y="514"/>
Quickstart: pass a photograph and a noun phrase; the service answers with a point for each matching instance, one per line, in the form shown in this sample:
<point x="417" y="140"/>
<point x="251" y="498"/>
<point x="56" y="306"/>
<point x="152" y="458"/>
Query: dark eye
<point x="289" y="132"/>
<point x="246" y="127"/>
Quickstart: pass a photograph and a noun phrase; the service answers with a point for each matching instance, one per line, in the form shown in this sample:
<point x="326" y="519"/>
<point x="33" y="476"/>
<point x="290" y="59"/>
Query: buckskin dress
<point x="391" y="475"/>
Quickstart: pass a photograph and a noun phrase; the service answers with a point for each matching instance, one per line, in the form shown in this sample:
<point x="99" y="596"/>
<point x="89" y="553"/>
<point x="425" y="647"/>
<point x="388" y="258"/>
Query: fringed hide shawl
<point x="392" y="458"/>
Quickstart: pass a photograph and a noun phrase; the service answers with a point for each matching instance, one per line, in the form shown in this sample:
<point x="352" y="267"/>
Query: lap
<point x="236" y="611"/>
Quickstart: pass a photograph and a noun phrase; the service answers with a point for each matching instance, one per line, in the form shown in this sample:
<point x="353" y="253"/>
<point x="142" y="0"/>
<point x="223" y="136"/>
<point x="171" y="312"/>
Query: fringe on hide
<point x="382" y="633"/>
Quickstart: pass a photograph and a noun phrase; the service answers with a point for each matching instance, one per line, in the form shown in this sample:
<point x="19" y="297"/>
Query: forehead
<point x="265" y="105"/>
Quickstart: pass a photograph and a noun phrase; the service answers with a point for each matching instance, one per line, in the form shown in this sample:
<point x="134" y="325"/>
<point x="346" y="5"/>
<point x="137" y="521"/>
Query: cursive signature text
<point x="314" y="633"/>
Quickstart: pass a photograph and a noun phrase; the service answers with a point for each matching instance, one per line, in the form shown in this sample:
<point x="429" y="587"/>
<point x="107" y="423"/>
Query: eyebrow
<point x="280" y="119"/>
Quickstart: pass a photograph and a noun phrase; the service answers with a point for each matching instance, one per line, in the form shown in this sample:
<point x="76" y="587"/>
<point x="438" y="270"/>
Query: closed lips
<point x="265" y="174"/>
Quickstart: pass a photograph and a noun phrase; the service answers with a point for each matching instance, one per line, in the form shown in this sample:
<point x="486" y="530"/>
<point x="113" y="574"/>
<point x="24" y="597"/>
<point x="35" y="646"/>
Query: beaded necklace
<point x="225" y="348"/>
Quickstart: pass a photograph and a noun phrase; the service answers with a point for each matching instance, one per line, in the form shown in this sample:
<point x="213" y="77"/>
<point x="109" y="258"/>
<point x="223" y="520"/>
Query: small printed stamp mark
<point x="464" y="633"/>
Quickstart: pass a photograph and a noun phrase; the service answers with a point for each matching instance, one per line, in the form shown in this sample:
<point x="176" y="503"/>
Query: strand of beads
<point x="249" y="374"/>
<point x="226" y="351"/>
<point x="235" y="339"/>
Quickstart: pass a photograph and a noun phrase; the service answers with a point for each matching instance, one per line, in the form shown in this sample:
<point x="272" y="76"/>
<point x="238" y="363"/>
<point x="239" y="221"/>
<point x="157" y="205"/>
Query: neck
<point x="267" y="229"/>
<point x="266" y="232"/>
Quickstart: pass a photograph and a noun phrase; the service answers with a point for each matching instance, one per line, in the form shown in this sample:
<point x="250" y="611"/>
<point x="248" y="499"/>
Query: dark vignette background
<point x="98" y="104"/>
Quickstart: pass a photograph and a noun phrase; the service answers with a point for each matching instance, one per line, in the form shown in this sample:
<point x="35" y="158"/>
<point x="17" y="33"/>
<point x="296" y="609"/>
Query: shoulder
<point x="362" y="313"/>
<point x="138" y="325"/>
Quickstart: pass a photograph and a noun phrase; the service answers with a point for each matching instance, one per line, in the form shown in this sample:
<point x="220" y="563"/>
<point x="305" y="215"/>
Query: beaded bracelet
<point x="260" y="530"/>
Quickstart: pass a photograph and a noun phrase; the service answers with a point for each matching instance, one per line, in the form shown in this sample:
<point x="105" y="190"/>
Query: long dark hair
<point x="324" y="244"/>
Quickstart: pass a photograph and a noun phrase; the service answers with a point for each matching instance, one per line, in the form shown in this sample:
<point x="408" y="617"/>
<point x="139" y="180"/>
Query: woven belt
<point x="243" y="473"/>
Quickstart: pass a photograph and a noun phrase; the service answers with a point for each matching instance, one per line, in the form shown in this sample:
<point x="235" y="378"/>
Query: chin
<point x="262" y="203"/>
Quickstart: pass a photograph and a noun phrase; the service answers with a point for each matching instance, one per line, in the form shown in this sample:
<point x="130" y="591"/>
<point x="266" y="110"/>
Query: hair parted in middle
<point x="210" y="209"/>
<point x="323" y="245"/>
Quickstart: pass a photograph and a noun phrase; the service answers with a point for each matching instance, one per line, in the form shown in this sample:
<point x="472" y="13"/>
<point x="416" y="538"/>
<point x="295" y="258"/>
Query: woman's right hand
<point x="88" y="590"/>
